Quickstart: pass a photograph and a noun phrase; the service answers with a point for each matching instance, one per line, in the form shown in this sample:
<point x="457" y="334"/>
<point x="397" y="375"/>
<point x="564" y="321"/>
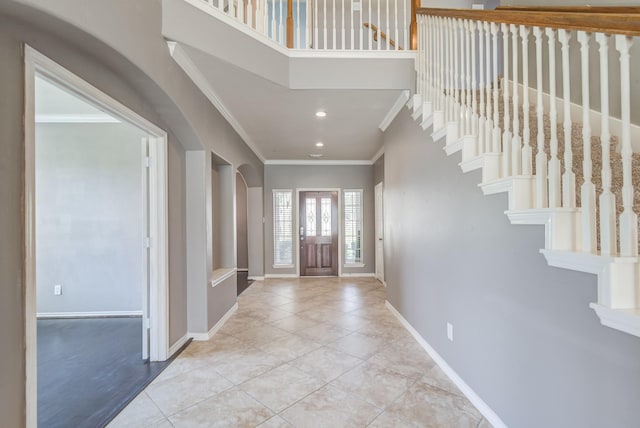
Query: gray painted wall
<point x="89" y="217"/>
<point x="319" y="177"/>
<point x="378" y="171"/>
<point x="525" y="338"/>
<point x="241" y="223"/>
<point x="116" y="46"/>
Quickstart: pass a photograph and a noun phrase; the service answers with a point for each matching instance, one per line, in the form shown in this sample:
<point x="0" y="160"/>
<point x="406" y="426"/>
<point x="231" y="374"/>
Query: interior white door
<point x="379" y="220"/>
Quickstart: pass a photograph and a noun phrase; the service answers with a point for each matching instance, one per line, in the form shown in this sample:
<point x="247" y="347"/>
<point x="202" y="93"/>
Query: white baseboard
<point x="358" y="275"/>
<point x="256" y="278"/>
<point x="475" y="399"/>
<point x="281" y="275"/>
<point x="95" y="314"/>
<point x="179" y="343"/>
<point x="216" y="327"/>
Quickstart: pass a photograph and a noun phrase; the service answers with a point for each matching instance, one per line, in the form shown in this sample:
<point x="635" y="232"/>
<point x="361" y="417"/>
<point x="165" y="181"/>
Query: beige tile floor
<point x="322" y="352"/>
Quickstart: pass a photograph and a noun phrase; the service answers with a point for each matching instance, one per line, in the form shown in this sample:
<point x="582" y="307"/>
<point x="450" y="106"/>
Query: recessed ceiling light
<point x="319" y="144"/>
<point x="315" y="155"/>
<point x="321" y="113"/>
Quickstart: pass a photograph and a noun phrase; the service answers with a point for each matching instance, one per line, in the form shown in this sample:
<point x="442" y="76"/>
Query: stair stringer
<point x="618" y="278"/>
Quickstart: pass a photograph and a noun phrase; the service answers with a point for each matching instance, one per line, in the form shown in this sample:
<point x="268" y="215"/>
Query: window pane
<point x="311" y="216"/>
<point x="353" y="226"/>
<point x="282" y="227"/>
<point x="325" y="204"/>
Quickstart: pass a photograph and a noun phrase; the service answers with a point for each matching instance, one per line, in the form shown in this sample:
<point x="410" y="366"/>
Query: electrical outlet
<point x="450" y="331"/>
<point x="57" y="290"/>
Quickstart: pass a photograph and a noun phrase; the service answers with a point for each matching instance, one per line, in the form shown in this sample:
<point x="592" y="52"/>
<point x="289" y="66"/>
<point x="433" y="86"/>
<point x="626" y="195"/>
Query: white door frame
<point x="35" y="62"/>
<point x="296" y="232"/>
<point x="379" y="234"/>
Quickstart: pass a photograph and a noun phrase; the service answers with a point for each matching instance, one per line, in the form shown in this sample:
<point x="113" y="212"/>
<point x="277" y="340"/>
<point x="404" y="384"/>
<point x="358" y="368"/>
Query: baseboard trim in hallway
<point x="475" y="399"/>
<point x="216" y="327"/>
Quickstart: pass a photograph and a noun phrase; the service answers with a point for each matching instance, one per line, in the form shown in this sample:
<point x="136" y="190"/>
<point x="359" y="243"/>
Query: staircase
<point x="557" y="160"/>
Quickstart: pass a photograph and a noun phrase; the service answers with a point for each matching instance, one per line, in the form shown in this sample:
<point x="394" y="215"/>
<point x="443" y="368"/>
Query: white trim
<point x="378" y="154"/>
<point x="75" y="118"/>
<point x="626" y="320"/>
<point x="220" y="275"/>
<point x="353" y="265"/>
<point x="48" y="69"/>
<point x="475" y="399"/>
<point x="95" y="314"/>
<point x="394" y="110"/>
<point x="256" y="278"/>
<point x="316" y="162"/>
<point x="359" y="275"/>
<point x="289" y="266"/>
<point x="179" y="344"/>
<point x="280" y="275"/>
<point x="216" y="327"/>
<point x="183" y="60"/>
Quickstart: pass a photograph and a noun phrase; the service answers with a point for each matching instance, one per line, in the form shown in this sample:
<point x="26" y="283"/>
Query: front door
<point x="318" y="233"/>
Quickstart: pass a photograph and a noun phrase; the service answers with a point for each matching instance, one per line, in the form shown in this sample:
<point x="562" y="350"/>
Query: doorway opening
<point x="96" y="249"/>
<point x="318" y="214"/>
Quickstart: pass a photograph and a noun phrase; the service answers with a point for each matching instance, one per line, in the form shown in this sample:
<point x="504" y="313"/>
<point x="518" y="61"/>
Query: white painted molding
<point x="179" y="344"/>
<point x="454" y="147"/>
<point x="284" y="162"/>
<point x="220" y="275"/>
<point x="256" y="278"/>
<point x="75" y="118"/>
<point x="281" y="275"/>
<point x="497" y="186"/>
<point x="471" y="165"/>
<point x="358" y="275"/>
<point x="183" y="60"/>
<point x="626" y="320"/>
<point x="378" y="154"/>
<point x="393" y="111"/>
<point x="94" y="314"/>
<point x="583" y="262"/>
<point x="216" y="327"/>
<point x="533" y="216"/>
<point x="475" y="399"/>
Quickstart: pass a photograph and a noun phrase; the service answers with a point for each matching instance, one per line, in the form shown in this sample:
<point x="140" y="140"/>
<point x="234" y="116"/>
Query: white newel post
<point x="541" y="155"/>
<point x="607" y="198"/>
<point x="588" y="190"/>
<point x="628" y="218"/>
<point x="554" y="162"/>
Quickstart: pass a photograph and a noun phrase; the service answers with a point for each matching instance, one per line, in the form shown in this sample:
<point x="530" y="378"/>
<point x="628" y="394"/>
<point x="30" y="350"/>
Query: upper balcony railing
<point x="328" y="24"/>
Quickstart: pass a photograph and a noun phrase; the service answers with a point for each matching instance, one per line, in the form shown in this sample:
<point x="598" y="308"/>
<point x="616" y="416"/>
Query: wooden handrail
<point x="383" y="35"/>
<point x="610" y="23"/>
<point x="572" y="9"/>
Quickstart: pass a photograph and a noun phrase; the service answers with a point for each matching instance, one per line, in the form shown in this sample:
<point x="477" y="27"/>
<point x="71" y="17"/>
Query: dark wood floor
<point x="89" y="369"/>
<point x="243" y="282"/>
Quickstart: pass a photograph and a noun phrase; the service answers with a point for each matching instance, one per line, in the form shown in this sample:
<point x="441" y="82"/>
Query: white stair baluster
<point x="352" y="32"/>
<point x="450" y="85"/>
<point x="489" y="79"/>
<point x="240" y="11"/>
<point x="456" y="75"/>
<point x="496" y="93"/>
<point x="379" y="23"/>
<point x="333" y="22"/>
<point x="516" y="154"/>
<point x="474" y="80"/>
<point x="506" y="126"/>
<point x="541" y="155"/>
<point x="628" y="218"/>
<point x="588" y="190"/>
<point x="405" y="20"/>
<point x="607" y="198"/>
<point x="324" y="27"/>
<point x="464" y="59"/>
<point x="297" y="25"/>
<point x="388" y="41"/>
<point x="482" y="113"/>
<point x="370" y="38"/>
<point x="342" y="27"/>
<point x="360" y="27"/>
<point x="569" y="177"/>
<point x="527" y="156"/>
<point x="554" y="162"/>
<point x="395" y="17"/>
<point x="274" y="24"/>
<point x="281" y="25"/>
<point x="316" y="40"/>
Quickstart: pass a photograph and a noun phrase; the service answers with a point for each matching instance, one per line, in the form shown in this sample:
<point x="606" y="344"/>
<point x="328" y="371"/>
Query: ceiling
<point x="270" y="94"/>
